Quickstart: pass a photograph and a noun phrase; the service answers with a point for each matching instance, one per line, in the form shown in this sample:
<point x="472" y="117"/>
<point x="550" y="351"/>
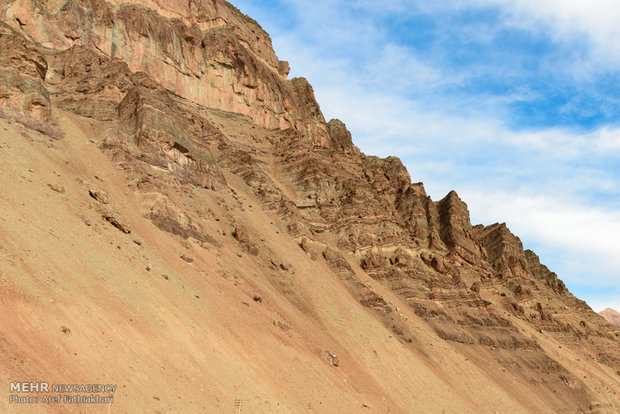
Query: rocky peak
<point x="420" y="214"/>
<point x="456" y="229"/>
<point x="542" y="272"/>
<point x="507" y="256"/>
<point x="312" y="120"/>
<point x="340" y="137"/>
<point x="504" y="249"/>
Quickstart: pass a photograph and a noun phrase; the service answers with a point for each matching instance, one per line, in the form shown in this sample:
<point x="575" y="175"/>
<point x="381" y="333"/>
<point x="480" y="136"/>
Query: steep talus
<point x="217" y="215"/>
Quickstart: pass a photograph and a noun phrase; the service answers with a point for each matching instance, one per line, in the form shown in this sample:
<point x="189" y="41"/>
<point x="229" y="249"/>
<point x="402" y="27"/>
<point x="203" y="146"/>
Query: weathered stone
<point x="240" y="233"/>
<point x="57" y="187"/>
<point x="167" y="217"/>
<point x="100" y="195"/>
<point x="114" y="220"/>
<point x="284" y="68"/>
<point x="456" y="229"/>
<point x="340" y="137"/>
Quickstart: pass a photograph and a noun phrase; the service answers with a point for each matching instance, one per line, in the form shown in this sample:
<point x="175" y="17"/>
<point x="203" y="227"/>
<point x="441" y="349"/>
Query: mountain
<point x="179" y="220"/>
<point x="611" y="316"/>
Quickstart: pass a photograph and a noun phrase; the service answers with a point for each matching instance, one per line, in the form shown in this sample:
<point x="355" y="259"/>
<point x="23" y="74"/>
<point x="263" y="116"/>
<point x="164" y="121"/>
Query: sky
<point x="512" y="103"/>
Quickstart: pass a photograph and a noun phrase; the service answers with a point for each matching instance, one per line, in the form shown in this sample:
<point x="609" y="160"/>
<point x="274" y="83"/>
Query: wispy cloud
<point x="592" y="22"/>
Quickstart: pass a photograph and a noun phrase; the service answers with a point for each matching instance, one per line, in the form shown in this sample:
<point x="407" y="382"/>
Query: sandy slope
<point x="195" y="340"/>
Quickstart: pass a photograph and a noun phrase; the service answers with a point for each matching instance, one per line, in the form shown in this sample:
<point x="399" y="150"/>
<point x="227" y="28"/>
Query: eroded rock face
<point x="23" y="93"/>
<point x="420" y="214"/>
<point x="167" y="217"/>
<point x="508" y="257"/>
<point x="340" y="137"/>
<point x="88" y="83"/>
<point x="205" y="51"/>
<point x="312" y="119"/>
<point x="456" y="229"/>
<point x="168" y="137"/>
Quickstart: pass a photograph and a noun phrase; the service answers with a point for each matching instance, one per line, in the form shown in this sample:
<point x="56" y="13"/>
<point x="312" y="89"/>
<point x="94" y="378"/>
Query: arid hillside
<point x="611" y="315"/>
<point x="179" y="219"/>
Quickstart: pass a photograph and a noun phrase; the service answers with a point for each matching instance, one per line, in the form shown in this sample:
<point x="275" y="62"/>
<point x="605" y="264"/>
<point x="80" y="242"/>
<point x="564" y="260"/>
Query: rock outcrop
<point x="205" y="51"/>
<point x="23" y="94"/>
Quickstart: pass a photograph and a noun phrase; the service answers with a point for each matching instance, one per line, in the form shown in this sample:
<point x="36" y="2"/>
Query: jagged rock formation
<point x="205" y="51"/>
<point x="206" y="146"/>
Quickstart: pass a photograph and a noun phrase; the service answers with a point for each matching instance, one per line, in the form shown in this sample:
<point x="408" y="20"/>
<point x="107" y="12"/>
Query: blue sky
<point x="514" y="104"/>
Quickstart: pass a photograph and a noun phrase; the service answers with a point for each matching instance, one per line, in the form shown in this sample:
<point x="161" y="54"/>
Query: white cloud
<point x="608" y="139"/>
<point x="591" y="229"/>
<point x="396" y="68"/>
<point x="381" y="117"/>
<point x="594" y="22"/>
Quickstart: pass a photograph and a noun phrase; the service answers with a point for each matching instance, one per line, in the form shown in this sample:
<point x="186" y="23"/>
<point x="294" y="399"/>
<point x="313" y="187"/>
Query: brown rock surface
<point x="23" y="94"/>
<point x="205" y="51"/>
<point x="320" y="279"/>
<point x="340" y="137"/>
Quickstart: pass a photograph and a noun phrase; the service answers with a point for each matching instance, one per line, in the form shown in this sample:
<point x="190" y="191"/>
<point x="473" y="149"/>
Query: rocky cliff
<point x="180" y="205"/>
